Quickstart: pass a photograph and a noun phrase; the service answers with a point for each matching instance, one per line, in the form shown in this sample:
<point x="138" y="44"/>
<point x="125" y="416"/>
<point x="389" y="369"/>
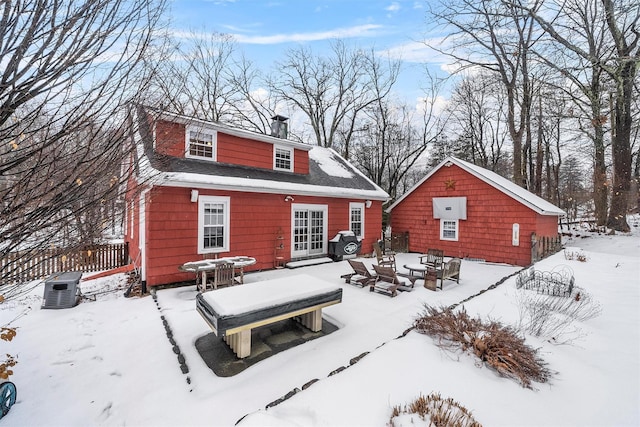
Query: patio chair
<point x="434" y="258"/>
<point x="223" y="275"/>
<point x="389" y="282"/>
<point x="384" y="260"/>
<point x="450" y="271"/>
<point x="361" y="275"/>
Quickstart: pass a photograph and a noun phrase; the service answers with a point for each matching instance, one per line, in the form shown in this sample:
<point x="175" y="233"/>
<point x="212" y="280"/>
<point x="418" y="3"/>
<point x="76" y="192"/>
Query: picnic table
<point x="201" y="267"/>
<point x="233" y="312"/>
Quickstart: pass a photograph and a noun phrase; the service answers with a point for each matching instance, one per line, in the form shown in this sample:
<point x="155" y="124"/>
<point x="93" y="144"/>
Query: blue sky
<point x="265" y="29"/>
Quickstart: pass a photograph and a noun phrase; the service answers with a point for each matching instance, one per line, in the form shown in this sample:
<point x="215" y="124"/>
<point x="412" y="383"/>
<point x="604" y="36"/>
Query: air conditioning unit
<point x="61" y="290"/>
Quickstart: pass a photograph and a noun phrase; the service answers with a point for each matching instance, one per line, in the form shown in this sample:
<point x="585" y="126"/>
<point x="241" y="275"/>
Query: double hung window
<point x="213" y="224"/>
<point x="356" y="219"/>
<point x="201" y="143"/>
<point x="449" y="229"/>
<point x="283" y="158"/>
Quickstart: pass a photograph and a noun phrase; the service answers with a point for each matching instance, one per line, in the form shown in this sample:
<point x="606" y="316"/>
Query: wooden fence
<point x="20" y="267"/>
<point x="544" y="246"/>
<point x="397" y="242"/>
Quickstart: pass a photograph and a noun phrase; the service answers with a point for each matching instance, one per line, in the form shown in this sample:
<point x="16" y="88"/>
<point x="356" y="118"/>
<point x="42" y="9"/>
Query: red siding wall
<point x="172" y="224"/>
<point x="487" y="232"/>
<point x="301" y="161"/>
<point x="170" y="140"/>
<point x="242" y="151"/>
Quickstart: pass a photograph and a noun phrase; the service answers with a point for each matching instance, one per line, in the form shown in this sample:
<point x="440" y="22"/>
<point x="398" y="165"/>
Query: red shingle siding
<point x="172" y="221"/>
<point x="169" y="138"/>
<point x="242" y="151"/>
<point x="301" y="161"/>
<point x="487" y="232"/>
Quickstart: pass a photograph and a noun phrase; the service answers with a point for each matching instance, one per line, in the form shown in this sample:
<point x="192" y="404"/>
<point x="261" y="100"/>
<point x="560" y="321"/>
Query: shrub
<point x="436" y="411"/>
<point x="497" y="345"/>
<point x="554" y="317"/>
<point x="7" y="334"/>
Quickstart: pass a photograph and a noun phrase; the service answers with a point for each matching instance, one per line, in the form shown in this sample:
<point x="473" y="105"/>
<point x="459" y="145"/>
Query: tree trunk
<point x="621" y="150"/>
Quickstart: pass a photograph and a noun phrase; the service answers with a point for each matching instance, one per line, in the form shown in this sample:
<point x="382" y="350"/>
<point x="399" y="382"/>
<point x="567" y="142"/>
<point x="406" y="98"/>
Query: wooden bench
<point x="233" y="312"/>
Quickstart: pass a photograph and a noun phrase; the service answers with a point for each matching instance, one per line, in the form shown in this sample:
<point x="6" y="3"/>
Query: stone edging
<point x="356" y="359"/>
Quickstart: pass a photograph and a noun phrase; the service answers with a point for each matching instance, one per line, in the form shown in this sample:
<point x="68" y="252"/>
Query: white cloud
<point x="437" y="104"/>
<point x="368" y="30"/>
<point x="393" y="7"/>
<point x="419" y="51"/>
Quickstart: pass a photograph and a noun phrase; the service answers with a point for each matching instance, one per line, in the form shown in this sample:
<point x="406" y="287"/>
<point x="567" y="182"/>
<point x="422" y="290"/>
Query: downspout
<point x="142" y="239"/>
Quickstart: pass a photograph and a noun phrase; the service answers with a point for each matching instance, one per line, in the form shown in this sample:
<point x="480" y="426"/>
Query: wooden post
<point x="312" y="320"/>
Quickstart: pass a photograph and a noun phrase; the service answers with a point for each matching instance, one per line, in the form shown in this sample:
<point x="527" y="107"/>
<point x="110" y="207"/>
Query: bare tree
<point x="584" y="83"/>
<point x="391" y="141"/>
<point x="620" y="65"/>
<point x="498" y="37"/>
<point x="478" y="120"/>
<point x="333" y="91"/>
<point x="195" y="79"/>
<point x="253" y="107"/>
<point x="71" y="70"/>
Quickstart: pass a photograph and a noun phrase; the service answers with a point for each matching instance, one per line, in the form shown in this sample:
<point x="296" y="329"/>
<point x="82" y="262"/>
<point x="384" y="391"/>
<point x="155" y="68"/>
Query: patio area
<point x="346" y="326"/>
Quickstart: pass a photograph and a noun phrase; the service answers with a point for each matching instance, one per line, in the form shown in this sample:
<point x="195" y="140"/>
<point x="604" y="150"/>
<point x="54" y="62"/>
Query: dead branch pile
<point x="438" y="411"/>
<point x="497" y="345"/>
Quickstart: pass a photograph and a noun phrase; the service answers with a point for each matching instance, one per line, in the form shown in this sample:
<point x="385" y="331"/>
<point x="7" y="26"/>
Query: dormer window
<point x="283" y="159"/>
<point x="201" y="143"/>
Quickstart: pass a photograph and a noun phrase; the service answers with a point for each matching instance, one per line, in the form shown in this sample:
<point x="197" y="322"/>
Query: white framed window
<point x="201" y="143"/>
<point x="449" y="229"/>
<point x="283" y="158"/>
<point x="213" y="224"/>
<point x="356" y="219"/>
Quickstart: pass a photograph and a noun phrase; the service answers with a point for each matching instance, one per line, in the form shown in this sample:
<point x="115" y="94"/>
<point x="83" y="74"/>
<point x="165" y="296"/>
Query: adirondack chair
<point x="361" y="275"/>
<point x="434" y="258"/>
<point x="384" y="260"/>
<point x="389" y="282"/>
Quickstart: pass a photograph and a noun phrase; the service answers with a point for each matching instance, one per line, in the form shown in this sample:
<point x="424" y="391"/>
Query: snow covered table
<point x="201" y="267"/>
<point x="233" y="312"/>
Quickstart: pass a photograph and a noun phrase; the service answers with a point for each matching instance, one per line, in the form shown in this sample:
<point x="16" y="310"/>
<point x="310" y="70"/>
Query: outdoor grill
<point x="61" y="290"/>
<point x="344" y="245"/>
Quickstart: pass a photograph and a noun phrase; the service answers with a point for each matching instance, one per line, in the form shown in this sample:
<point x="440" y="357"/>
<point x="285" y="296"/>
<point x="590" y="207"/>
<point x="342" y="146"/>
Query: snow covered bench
<point x="233" y="312"/>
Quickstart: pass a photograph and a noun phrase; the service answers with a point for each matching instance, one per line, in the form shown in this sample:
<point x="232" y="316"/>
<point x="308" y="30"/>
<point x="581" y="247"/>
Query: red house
<point x="206" y="190"/>
<point x="471" y="212"/>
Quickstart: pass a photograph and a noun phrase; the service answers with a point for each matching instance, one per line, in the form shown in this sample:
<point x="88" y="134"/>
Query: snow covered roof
<point x="502" y="184"/>
<point x="329" y="174"/>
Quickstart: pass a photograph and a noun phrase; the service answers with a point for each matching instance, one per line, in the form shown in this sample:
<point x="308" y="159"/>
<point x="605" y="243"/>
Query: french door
<point x="309" y="230"/>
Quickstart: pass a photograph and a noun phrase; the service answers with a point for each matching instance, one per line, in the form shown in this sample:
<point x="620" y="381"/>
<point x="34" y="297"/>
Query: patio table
<point x="419" y="270"/>
<point x="201" y="267"/>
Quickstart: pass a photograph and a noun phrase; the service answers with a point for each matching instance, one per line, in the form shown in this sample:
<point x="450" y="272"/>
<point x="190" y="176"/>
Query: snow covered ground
<point x="109" y="361"/>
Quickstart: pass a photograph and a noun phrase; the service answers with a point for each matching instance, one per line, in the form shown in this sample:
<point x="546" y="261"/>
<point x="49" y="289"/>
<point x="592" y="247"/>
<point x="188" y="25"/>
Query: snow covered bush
<point x="433" y="410"/>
